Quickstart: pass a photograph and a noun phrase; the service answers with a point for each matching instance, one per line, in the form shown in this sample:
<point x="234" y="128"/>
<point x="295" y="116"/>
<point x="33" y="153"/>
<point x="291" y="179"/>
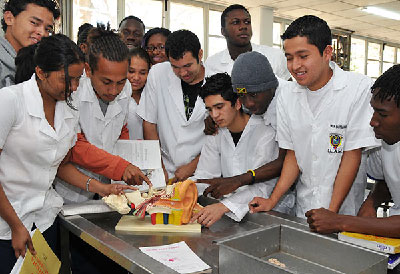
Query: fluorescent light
<point x="382" y="12"/>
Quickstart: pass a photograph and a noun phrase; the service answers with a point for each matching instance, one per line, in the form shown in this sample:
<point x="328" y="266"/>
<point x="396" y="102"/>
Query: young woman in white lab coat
<point x="139" y="66"/>
<point x="38" y="126"/>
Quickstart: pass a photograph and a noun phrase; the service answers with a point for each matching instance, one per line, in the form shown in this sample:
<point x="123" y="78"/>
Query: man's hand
<point x="134" y="176"/>
<point x="184" y="172"/>
<point x="323" y="221"/>
<point x="210" y="127"/>
<point x="20" y="239"/>
<point x="259" y="204"/>
<point x="208" y="215"/>
<point x="220" y="186"/>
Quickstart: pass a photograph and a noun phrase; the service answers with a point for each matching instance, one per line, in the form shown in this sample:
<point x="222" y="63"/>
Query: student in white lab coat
<point x="103" y="97"/>
<point x="384" y="165"/>
<point x="247" y="66"/>
<point x="243" y="143"/>
<point x="237" y="30"/>
<point x="170" y="107"/>
<point x="38" y="126"/>
<point x="139" y="66"/>
<point x="323" y="123"/>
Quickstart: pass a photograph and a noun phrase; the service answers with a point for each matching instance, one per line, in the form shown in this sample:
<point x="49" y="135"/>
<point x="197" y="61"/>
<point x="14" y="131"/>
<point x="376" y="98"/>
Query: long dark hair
<point x="50" y="54"/>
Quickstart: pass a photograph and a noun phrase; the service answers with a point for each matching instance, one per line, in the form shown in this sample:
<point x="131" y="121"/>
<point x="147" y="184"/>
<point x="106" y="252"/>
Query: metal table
<point x="122" y="247"/>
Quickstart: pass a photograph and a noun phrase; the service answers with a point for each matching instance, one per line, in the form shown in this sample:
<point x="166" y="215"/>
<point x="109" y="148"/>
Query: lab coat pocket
<point x="336" y="139"/>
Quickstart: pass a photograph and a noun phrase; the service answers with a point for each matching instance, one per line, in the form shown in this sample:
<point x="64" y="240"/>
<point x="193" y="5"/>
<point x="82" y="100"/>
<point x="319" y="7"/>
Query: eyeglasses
<point x="159" y="48"/>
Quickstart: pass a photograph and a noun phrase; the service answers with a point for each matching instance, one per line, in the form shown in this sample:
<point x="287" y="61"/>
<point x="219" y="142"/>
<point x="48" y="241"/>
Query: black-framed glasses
<point x="152" y="48"/>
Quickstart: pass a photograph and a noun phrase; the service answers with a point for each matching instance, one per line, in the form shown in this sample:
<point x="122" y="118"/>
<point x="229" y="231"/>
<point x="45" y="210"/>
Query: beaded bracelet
<point x="253" y="176"/>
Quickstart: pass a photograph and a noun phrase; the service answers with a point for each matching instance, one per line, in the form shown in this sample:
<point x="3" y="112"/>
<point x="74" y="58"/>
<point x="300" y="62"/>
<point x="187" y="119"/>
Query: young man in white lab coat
<point x="323" y="123"/>
<point x="261" y="103"/>
<point x="384" y="165"/>
<point x="103" y="103"/>
<point x="102" y="99"/>
<point x="236" y="28"/>
<point x="171" y="109"/>
<point x="243" y="143"/>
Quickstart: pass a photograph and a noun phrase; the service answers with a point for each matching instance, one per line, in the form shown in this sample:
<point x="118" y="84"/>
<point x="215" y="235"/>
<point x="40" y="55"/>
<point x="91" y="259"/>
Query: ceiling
<point x="340" y="14"/>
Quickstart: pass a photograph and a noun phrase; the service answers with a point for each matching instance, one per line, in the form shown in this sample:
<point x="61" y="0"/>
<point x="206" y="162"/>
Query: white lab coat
<point x="345" y="112"/>
<point x="32" y="152"/>
<point x="256" y="147"/>
<point x="222" y="61"/>
<point x="135" y="122"/>
<point x="101" y="131"/>
<point x="162" y="104"/>
<point x="384" y="164"/>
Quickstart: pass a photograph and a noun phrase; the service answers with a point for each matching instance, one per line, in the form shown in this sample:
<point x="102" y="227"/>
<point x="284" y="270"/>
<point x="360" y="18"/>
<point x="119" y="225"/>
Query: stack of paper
<point x="91" y="206"/>
<point x="383" y="244"/>
<point x="177" y="256"/>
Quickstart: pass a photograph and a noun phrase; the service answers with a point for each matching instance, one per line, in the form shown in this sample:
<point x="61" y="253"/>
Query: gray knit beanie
<point x="252" y="72"/>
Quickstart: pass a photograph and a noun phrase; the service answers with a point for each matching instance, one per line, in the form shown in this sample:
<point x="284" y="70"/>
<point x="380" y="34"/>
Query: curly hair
<point x="163" y="31"/>
<point x="181" y="41"/>
<point x="18" y="6"/>
<point x="229" y="9"/>
<point x="315" y="29"/>
<point x="387" y="86"/>
<point x="107" y="44"/>
<point x="219" y="84"/>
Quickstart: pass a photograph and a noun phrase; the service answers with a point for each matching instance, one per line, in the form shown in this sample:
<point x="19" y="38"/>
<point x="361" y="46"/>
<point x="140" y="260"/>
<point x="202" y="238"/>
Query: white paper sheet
<point x="177" y="256"/>
<point x="144" y="154"/>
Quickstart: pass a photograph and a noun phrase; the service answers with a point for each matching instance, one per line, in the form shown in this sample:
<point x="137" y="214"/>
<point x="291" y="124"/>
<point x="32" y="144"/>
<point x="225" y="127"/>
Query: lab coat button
<point x="314" y="157"/>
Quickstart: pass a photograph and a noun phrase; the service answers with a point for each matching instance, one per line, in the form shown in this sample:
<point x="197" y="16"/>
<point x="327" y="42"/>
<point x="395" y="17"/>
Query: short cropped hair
<point x="107" y="44"/>
<point x="181" y="41"/>
<point x="131" y="17"/>
<point x="219" y="84"/>
<point x="387" y="86"/>
<point x="163" y="31"/>
<point x="18" y="6"/>
<point x="229" y="9"/>
<point x="315" y="29"/>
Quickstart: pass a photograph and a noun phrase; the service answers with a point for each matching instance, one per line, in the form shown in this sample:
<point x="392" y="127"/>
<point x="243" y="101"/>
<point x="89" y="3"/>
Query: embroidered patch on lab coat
<point x="335" y="143"/>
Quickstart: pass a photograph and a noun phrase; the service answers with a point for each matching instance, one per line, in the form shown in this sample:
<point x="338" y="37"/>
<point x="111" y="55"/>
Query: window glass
<point x="214" y="22"/>
<point x="398" y="56"/>
<point x="276" y="33"/>
<point x="386" y="66"/>
<point x="149" y="11"/>
<point x="93" y="12"/>
<point x="216" y="44"/>
<point x="187" y="17"/>
<point x="373" y="68"/>
<point x="373" y="51"/>
<point x="388" y="54"/>
<point x="357" y="56"/>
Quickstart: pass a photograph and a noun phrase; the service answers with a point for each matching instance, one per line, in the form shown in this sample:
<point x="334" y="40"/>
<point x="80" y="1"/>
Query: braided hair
<point x="387" y="86"/>
<point x="105" y="43"/>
